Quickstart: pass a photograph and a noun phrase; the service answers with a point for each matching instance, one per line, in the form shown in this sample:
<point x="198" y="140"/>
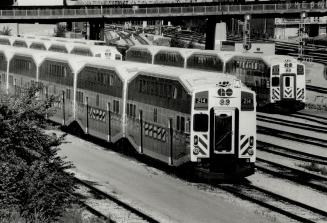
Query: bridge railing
<point x="100" y="11"/>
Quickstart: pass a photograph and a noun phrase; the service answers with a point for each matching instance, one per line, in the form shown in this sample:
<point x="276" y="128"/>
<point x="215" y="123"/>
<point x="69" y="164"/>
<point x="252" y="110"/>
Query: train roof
<point x="75" y="62"/>
<point x="125" y="70"/>
<point x="68" y="45"/>
<point x="185" y="52"/>
<point x="268" y="59"/>
<point x="223" y="55"/>
<point x="190" y="79"/>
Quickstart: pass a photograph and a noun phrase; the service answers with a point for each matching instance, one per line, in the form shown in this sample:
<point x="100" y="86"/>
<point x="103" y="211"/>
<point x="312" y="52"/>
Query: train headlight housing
<point x="237" y="83"/>
<point x="196" y="140"/>
<point x="196" y="151"/>
<point x="250" y="152"/>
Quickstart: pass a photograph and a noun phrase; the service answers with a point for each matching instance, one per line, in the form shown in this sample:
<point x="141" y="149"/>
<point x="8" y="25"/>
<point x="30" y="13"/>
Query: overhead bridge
<point x="88" y="12"/>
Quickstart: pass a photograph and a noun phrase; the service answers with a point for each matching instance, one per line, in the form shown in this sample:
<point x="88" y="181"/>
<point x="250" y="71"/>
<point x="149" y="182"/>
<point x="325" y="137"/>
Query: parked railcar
<point x="187" y="113"/>
<point x="69" y="46"/>
<point x="171" y="114"/>
<point x="279" y="81"/>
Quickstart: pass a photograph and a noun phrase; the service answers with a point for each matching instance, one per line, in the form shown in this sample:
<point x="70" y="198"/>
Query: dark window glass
<point x="275" y="81"/>
<point x="200" y="122"/>
<point x="182" y="124"/>
<point x="178" y="123"/>
<point x="97" y="100"/>
<point x="155" y="115"/>
<point x="287" y="82"/>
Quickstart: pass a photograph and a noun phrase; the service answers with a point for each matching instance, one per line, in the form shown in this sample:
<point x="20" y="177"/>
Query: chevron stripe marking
<point x="244" y="143"/>
<point x="203" y="143"/>
<point x="242" y="136"/>
<point x="246" y="150"/>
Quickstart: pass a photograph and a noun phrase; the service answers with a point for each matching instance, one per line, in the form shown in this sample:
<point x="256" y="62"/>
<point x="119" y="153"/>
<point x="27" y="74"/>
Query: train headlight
<point x="250" y="152"/>
<point x="251" y="141"/>
<point x="237" y="83"/>
<point x="196" y="140"/>
<point x="196" y="151"/>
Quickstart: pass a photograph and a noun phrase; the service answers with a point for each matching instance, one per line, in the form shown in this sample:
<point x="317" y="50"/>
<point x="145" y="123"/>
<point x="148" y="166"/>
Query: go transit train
<point x="279" y="81"/>
<point x="174" y="115"/>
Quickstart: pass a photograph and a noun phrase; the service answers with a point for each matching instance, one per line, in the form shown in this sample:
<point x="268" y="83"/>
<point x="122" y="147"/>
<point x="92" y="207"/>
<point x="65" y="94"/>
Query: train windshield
<point x="200" y="122"/>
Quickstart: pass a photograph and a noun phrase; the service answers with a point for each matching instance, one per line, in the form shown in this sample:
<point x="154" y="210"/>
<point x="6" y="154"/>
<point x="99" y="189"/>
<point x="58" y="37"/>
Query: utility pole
<point x="301" y="35"/>
<point x="246" y="33"/>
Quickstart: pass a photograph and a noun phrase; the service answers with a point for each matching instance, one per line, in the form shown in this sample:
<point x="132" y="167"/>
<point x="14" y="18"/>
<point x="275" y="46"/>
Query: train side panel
<point x="158" y="114"/>
<point x="99" y="98"/>
<point x="3" y="72"/>
<point x="58" y="80"/>
<point x="22" y="73"/>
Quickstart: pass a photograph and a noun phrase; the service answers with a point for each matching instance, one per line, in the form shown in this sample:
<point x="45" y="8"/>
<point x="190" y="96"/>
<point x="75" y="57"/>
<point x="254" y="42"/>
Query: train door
<point x="288" y="86"/>
<point x="223" y="131"/>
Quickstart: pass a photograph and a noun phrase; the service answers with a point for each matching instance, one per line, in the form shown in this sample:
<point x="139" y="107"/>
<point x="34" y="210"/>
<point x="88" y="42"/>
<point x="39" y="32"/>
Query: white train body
<point x="279" y="81"/>
<point x="63" y="45"/>
<point x="171" y="114"/>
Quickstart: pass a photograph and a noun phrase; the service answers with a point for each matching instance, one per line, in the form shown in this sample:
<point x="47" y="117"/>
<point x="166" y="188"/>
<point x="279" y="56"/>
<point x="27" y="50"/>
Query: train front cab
<point x="288" y="86"/>
<point x="223" y="130"/>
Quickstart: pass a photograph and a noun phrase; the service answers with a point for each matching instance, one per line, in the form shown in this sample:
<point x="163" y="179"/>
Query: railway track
<point x="312" y="180"/>
<point x="140" y="39"/>
<point x="291" y="153"/>
<point x="275" y="202"/>
<point x="310" y="117"/>
<point x="294" y="124"/>
<point x="126" y="38"/>
<point x="292" y="136"/>
<point x="321" y="90"/>
<point x="127" y="213"/>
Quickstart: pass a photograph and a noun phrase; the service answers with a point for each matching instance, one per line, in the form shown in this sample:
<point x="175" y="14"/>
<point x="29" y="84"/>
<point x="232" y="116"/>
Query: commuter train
<point x="170" y="2"/>
<point x="79" y="47"/>
<point x="174" y="115"/>
<point x="120" y="3"/>
<point x="279" y="81"/>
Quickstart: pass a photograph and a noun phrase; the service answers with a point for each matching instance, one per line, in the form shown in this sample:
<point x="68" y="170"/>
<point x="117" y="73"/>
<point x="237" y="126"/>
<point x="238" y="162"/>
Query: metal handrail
<point x="108" y="11"/>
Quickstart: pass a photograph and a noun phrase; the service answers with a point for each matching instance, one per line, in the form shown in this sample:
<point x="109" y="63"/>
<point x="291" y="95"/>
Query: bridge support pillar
<point x="96" y="31"/>
<point x="145" y="24"/>
<point x="215" y="33"/>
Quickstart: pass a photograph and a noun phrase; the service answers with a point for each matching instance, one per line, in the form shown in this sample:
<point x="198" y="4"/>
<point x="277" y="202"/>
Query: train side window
<point x="116" y="107"/>
<point x="68" y="94"/>
<point x="178" y="123"/>
<point x="134" y="111"/>
<point x="287" y="82"/>
<point x="182" y="124"/>
<point x="11" y="80"/>
<point x="187" y="125"/>
<point x="97" y="102"/>
<point x="155" y="115"/>
<point x="175" y="93"/>
<point x="275" y="81"/>
<point x="79" y="97"/>
<point x="200" y="122"/>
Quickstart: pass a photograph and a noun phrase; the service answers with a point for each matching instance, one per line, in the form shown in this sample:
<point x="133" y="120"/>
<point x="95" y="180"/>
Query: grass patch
<point x="314" y="168"/>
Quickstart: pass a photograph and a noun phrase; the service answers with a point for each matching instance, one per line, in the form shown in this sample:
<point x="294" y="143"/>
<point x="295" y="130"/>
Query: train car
<point x="105" y="52"/>
<point x="192" y="115"/>
<point x="101" y="93"/>
<point x="22" y="69"/>
<point x="171" y="114"/>
<point x="279" y="81"/>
